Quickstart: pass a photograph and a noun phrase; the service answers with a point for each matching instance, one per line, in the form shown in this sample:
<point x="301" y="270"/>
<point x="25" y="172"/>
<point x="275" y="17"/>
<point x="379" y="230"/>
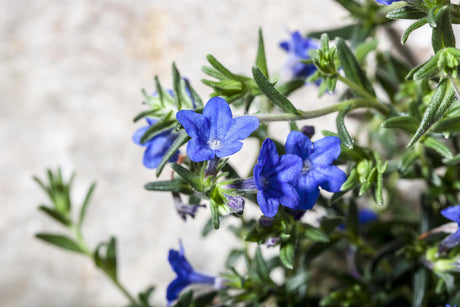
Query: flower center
<point x="306" y="165"/>
<point x="215" y="144"/>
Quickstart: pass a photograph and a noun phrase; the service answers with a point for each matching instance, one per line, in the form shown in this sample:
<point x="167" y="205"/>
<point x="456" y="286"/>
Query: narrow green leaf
<point x="452" y="161"/>
<point x="163" y="124"/>
<point x="439" y="147"/>
<point x="196" y="99"/>
<point x="443" y="34"/>
<point x="56" y="215"/>
<point x="144" y="114"/>
<point x="81" y="217"/>
<point x="441" y="100"/>
<point x="162" y="94"/>
<point x="175" y="185"/>
<point x="181" y="140"/>
<point x="177" y="87"/>
<point x="145" y="296"/>
<point x="351" y="180"/>
<point x="345" y="32"/>
<point x="425" y="70"/>
<point x="347" y="140"/>
<point x="261" y="266"/>
<point x="233" y="257"/>
<point x="412" y="28"/>
<point x="420" y="282"/>
<point x="61" y="241"/>
<point x="191" y="178"/>
<point x="451" y="124"/>
<point x="352" y="68"/>
<point x="406" y="12"/>
<point x="290" y="86"/>
<point x="260" y="59"/>
<point x="185" y="300"/>
<point x="363" y="49"/>
<point x="407" y="123"/>
<point x="269" y="90"/>
<point x="287" y="254"/>
<point x="221" y="68"/>
<point x="111" y="258"/>
<point x="315" y="234"/>
<point x="352" y="220"/>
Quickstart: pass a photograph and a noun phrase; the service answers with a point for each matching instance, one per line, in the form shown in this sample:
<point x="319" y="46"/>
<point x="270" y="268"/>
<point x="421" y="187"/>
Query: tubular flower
<point x="274" y="177"/>
<point x="185" y="274"/>
<point x="215" y="132"/>
<point x="318" y="170"/>
<point x="156" y="147"/>
<point x="297" y="48"/>
<point x="453" y="214"/>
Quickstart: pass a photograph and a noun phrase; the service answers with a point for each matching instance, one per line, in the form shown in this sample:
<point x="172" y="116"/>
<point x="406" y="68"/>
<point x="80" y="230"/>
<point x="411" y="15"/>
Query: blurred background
<point x="71" y="76"/>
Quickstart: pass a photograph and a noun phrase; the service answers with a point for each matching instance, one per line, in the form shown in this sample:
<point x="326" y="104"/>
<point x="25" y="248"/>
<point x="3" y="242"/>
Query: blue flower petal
<point x="289" y="168"/>
<point x="156" y="149"/>
<point x="298" y="144"/>
<point x="452" y="213"/>
<point x="268" y="156"/>
<point x="242" y="127"/>
<point x="229" y="148"/>
<point x="175" y="288"/>
<point x="329" y="178"/>
<point x="194" y="124"/>
<point x="269" y="206"/>
<point x="219" y="114"/>
<point x="325" y="150"/>
<point x="308" y="190"/>
<point x="198" y="152"/>
<point x="138" y="135"/>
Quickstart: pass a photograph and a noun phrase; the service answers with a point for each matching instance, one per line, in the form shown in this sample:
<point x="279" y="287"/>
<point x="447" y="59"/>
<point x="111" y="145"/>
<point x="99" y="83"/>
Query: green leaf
<point x="406" y="12"/>
<point x="440" y="101"/>
<point x="56" y="215"/>
<point x="81" y="217"/>
<point x="269" y="90"/>
<point x="315" y="234"/>
<point x="425" y="70"/>
<point x="61" y="241"/>
<point x="345" y="32"/>
<point x="290" y="86"/>
<point x="176" y="185"/>
<point x="185" y="300"/>
<point x="363" y="49"/>
<point x="164" y="123"/>
<point x="144" y="114"/>
<point x="412" y="28"/>
<point x="347" y="140"/>
<point x="352" y="179"/>
<point x="195" y="97"/>
<point x="451" y="124"/>
<point x="191" y="178"/>
<point x="261" y="266"/>
<point x="233" y="257"/>
<point x="454" y="160"/>
<point x="443" y="34"/>
<point x="221" y="68"/>
<point x="181" y="140"/>
<point x="352" y="68"/>
<point x="177" y="87"/>
<point x="111" y="259"/>
<point x="145" y="296"/>
<point x="437" y="146"/>
<point x="352" y="220"/>
<point x="260" y="59"/>
<point x="287" y="254"/>
<point x="407" y="123"/>
<point x="420" y="282"/>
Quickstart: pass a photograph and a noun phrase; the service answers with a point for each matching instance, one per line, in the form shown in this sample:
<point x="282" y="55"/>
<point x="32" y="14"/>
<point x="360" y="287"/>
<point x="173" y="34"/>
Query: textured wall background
<point x="70" y="80"/>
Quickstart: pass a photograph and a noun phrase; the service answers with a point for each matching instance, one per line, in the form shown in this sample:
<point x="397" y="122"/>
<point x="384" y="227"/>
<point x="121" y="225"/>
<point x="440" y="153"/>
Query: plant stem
<point x="124" y="291"/>
<point x="355" y="104"/>
<point x="359" y="89"/>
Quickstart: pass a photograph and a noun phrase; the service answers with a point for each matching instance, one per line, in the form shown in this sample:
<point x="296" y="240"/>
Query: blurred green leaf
<point x="61" y="241"/>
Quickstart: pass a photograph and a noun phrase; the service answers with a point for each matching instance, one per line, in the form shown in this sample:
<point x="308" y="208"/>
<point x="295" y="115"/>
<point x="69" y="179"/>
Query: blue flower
<point x="318" y="170"/>
<point x="157" y="146"/>
<point x="453" y="214"/>
<point x="364" y="216"/>
<point x="185" y="274"/>
<point x="449" y="305"/>
<point x="215" y="133"/>
<point x="387" y="2"/>
<point x="297" y="48"/>
<point x="274" y="177"/>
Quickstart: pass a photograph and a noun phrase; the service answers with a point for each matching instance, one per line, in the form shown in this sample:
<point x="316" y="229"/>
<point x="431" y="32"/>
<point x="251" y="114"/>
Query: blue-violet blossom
<point x="387" y="2"/>
<point x="156" y="147"/>
<point x="453" y="214"/>
<point x="186" y="275"/>
<point x="275" y="178"/>
<point x="297" y="48"/>
<point x="215" y="132"/>
<point x="318" y="170"/>
<point x="364" y="216"/>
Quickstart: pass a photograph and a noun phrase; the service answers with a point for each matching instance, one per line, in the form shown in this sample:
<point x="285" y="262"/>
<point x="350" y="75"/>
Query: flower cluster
<point x="293" y="180"/>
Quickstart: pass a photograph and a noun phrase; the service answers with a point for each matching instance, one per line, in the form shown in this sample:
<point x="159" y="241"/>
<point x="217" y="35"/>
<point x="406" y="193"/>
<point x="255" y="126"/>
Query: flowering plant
<point x="369" y="246"/>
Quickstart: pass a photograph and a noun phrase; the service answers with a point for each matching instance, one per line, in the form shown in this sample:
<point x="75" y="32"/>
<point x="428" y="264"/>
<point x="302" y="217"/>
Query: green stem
<point x="355" y="104"/>
<point x="360" y="90"/>
<point x="124" y="291"/>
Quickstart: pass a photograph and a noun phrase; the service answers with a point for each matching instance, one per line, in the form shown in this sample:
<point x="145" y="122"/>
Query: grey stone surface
<point x="70" y="80"/>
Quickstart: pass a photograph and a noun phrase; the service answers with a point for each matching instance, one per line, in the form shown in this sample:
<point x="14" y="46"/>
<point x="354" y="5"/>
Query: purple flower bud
<point x="235" y="202"/>
<point x="308" y="131"/>
<point x="270" y="242"/>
